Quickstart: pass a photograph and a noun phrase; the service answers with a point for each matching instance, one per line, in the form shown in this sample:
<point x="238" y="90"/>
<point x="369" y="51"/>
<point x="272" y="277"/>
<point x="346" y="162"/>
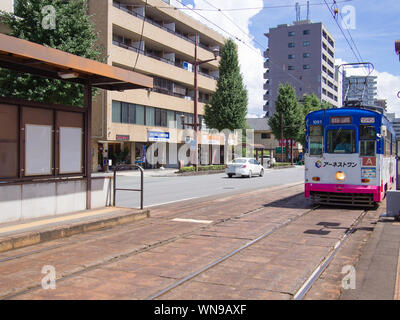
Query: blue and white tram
<point x="349" y="156"/>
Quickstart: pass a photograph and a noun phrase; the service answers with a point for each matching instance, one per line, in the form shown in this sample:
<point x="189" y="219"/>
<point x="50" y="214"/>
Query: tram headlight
<point x="340" y="176"/>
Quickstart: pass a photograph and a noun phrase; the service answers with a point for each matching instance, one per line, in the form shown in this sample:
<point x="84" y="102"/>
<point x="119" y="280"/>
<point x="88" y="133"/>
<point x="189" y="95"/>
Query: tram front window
<point x="316" y="140"/>
<point x="341" y="141"/>
<point x="367" y="140"/>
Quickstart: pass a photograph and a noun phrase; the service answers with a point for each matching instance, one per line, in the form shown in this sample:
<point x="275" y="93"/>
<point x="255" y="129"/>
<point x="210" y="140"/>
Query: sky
<point x="372" y="25"/>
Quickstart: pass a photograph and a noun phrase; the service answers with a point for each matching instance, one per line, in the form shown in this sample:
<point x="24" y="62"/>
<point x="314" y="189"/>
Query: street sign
<point x="278" y="150"/>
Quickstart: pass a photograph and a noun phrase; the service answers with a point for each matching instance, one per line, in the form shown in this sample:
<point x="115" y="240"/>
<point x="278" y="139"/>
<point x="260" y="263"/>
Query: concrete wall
<point x="35" y="200"/>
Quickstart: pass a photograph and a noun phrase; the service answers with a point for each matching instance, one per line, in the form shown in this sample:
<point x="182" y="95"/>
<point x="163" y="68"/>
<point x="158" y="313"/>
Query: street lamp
<point x="195" y="124"/>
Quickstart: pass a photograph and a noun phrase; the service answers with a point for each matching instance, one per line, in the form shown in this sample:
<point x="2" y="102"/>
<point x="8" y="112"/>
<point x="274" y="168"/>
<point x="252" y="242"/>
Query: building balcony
<point x="189" y="41"/>
<point x="267" y="64"/>
<point x="120" y="56"/>
<point x="266" y="53"/>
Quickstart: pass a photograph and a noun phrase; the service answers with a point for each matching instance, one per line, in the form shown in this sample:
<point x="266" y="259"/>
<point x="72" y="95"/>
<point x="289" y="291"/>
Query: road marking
<point x="169" y="202"/>
<point x="397" y="287"/>
<point x="192" y="220"/>
<point x="53" y="220"/>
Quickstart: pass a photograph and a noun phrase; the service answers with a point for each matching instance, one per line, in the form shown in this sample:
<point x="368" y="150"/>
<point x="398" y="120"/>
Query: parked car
<point x="244" y="167"/>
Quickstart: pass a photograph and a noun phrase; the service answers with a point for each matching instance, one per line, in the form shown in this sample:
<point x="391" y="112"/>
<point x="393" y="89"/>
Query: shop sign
<point x="122" y="137"/>
<point x="156" y="136"/>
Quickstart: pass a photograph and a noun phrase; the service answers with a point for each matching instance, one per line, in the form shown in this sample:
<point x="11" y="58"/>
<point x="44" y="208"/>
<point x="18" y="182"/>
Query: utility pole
<point x="282" y="137"/>
<point x="195" y="123"/>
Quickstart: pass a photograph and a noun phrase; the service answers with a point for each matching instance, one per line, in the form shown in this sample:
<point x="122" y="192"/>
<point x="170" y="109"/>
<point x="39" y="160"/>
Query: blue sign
<point x="158" y="136"/>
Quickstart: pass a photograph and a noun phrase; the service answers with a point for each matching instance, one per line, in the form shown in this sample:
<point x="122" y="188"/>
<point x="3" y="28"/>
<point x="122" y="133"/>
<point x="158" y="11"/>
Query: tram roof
<point x="343" y="111"/>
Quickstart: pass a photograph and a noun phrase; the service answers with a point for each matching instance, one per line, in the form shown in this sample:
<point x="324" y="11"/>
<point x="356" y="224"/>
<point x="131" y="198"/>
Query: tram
<point x="349" y="157"/>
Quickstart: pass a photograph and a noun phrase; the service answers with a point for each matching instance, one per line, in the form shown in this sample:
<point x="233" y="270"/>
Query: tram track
<point x="149" y="248"/>
<point x="202" y="269"/>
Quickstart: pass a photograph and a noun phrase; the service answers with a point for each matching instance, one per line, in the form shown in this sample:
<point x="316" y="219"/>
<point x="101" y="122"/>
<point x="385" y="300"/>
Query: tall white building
<point x="360" y="90"/>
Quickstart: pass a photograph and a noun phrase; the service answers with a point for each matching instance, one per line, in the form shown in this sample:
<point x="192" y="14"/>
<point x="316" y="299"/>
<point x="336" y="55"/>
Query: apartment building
<point x="157" y="40"/>
<point x="303" y="55"/>
<point x="361" y="90"/>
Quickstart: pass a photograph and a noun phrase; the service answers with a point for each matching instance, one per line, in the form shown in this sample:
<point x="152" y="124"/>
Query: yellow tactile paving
<point x="54" y="220"/>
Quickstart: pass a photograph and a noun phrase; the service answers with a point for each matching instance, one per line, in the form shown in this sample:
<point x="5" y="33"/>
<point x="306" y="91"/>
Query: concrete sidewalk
<point x="168" y="172"/>
<point x="378" y="269"/>
<point x="29" y="232"/>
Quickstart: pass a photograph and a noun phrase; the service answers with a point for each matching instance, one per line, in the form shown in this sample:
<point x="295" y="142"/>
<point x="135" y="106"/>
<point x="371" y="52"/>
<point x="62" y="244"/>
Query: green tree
<point x="287" y="108"/>
<point x="228" y="105"/>
<point x="73" y="33"/>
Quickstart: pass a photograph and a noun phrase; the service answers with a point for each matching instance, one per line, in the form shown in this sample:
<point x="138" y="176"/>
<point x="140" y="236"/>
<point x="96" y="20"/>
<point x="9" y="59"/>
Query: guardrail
<point x="115" y="189"/>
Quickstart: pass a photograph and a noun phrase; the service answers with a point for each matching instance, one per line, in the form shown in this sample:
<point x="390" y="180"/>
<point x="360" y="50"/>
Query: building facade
<point x="360" y="90"/>
<point x="303" y="55"/>
<point x="154" y="39"/>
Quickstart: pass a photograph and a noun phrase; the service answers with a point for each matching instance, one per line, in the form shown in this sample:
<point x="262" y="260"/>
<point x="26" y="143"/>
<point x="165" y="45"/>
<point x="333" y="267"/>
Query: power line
<point x="280" y="65"/>
<point x="140" y="40"/>
<point x="247" y="8"/>
<point x="343" y="33"/>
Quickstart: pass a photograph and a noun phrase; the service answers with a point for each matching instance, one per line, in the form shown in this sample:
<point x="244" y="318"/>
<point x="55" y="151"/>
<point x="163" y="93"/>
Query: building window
<point x="305" y="32"/>
<point x="150" y="116"/>
<point x="125" y="112"/>
<point x="171" y="118"/>
<point x="291" y="33"/>
<point x="306" y="55"/>
<point x="306" y="66"/>
<point x="116" y="111"/>
<point x="290" y="67"/>
<point x="265" y="136"/>
<point x="306" y="43"/>
<point x="291" y="56"/>
<point x="139" y="115"/>
<point x="291" y="45"/>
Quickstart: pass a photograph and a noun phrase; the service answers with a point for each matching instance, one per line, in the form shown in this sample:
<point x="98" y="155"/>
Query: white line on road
<point x="192" y="220"/>
<point x="160" y="204"/>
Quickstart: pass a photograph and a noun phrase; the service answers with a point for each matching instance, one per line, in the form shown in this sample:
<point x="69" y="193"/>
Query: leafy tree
<point x="287" y="108"/>
<point x="73" y="33"/>
<point x="228" y="105"/>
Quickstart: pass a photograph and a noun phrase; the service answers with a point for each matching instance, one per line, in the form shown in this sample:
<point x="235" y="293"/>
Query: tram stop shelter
<point x="259" y="151"/>
<point x="45" y="149"/>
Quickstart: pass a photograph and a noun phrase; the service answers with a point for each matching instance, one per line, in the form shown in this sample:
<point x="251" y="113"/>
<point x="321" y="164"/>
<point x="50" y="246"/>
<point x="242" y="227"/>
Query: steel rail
<point x="300" y="294"/>
<point x="232" y="253"/>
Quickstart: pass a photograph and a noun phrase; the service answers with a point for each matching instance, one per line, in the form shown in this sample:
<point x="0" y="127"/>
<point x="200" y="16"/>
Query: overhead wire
<point x="278" y="65"/>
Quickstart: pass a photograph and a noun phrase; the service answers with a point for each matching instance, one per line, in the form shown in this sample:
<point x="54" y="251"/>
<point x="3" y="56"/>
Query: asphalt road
<point x="162" y="190"/>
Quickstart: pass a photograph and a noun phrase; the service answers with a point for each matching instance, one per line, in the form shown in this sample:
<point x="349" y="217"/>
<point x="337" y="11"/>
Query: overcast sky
<point x="374" y="27"/>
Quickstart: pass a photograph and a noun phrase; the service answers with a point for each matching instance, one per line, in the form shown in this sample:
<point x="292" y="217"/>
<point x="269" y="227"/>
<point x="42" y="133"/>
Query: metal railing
<point x="141" y="190"/>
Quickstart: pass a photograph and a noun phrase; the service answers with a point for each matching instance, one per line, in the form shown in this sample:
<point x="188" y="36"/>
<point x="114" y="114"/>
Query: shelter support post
<point x="88" y="143"/>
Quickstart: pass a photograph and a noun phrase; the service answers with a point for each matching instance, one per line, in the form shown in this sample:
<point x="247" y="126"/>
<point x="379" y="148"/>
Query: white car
<point x="244" y="167"/>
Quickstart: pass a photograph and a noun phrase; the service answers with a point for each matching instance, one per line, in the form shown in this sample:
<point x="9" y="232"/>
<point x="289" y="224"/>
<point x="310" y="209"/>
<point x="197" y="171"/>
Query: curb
<point x="36" y="237"/>
<point x="283" y="167"/>
<point x="199" y="173"/>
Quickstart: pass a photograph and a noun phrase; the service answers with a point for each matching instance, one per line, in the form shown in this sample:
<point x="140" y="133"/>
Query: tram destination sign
<point x="341" y="120"/>
<point x="367" y="120"/>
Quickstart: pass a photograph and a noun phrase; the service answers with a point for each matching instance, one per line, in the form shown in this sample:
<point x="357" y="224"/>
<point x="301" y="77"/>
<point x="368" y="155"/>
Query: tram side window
<point x="316" y="140"/>
<point x="388" y="142"/>
<point x="341" y="141"/>
<point x="367" y="140"/>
